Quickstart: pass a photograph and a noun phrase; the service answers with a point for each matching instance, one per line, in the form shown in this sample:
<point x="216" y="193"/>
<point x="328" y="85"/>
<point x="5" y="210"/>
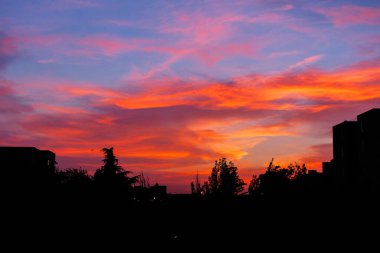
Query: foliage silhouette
<point x="196" y="188"/>
<point x="143" y="181"/>
<point x="224" y="180"/>
<point x="111" y="175"/>
<point x="277" y="181"/>
<point x="254" y="185"/>
<point x="74" y="178"/>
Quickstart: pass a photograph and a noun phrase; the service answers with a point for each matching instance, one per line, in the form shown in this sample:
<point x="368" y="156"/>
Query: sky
<point x="175" y="85"/>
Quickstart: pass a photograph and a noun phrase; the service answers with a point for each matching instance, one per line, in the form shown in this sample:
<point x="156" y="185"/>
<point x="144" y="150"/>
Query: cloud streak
<point x="307" y="61"/>
<point x="347" y="15"/>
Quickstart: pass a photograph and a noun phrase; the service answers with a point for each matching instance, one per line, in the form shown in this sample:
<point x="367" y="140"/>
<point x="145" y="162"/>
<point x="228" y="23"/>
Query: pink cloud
<point x="8" y="46"/>
<point x="47" y="61"/>
<point x="286" y="7"/>
<point x="81" y="46"/>
<point x="352" y="15"/>
<point x="42" y="40"/>
<point x="198" y="28"/>
<point x="11" y="104"/>
<point x="269" y="17"/>
<point x="280" y="19"/>
<point x="60" y="5"/>
<point x="307" y="61"/>
<point x="83" y="3"/>
<point x="212" y="55"/>
<point x="107" y="45"/>
<point x="285" y="53"/>
<point x="118" y="22"/>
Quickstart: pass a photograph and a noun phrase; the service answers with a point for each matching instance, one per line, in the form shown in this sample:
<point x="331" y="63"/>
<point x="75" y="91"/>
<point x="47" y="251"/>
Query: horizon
<point x="174" y="86"/>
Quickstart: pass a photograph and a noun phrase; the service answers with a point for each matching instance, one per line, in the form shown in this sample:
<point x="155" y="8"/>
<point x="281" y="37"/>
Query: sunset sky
<point x="174" y="85"/>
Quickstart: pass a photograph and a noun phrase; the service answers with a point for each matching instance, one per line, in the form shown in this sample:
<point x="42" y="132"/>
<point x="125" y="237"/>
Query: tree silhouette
<point x="254" y="185"/>
<point x="277" y="180"/>
<point x="74" y="178"/>
<point x="112" y="175"/>
<point x="143" y="181"/>
<point x="196" y="188"/>
<point x="224" y="179"/>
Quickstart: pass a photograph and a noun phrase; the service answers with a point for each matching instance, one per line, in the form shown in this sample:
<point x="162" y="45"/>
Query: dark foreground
<point x="56" y="222"/>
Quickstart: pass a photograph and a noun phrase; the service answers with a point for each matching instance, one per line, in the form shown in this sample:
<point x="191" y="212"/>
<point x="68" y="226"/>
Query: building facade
<point x="356" y="153"/>
<point x="27" y="166"/>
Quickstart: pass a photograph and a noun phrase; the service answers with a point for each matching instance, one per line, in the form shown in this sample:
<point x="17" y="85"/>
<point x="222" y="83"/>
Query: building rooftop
<point x="346" y="123"/>
<point x="372" y="112"/>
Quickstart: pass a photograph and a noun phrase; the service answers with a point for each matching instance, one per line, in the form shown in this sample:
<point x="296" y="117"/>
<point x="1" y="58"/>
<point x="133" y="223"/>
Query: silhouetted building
<point x="328" y="168"/>
<point x="346" y="139"/>
<point x="153" y="193"/>
<point x="369" y="126"/>
<point x="312" y="173"/>
<point x="356" y="151"/>
<point x="27" y="166"/>
<point x="158" y="191"/>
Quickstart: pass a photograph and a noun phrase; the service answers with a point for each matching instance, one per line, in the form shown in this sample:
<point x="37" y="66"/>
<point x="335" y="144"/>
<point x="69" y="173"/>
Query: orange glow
<point x="255" y="93"/>
<point x="181" y="127"/>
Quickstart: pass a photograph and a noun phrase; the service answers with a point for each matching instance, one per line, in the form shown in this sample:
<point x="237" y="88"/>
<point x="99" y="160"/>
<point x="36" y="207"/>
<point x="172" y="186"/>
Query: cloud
<point x="118" y="22"/>
<point x="211" y="56"/>
<point x="108" y="45"/>
<point x="199" y="28"/>
<point x="169" y="116"/>
<point x="12" y="105"/>
<point x="287" y="7"/>
<point x="316" y="154"/>
<point x="13" y="109"/>
<point x="63" y="5"/>
<point x="307" y="61"/>
<point x="180" y="126"/>
<point x="83" y="46"/>
<point x="347" y="15"/>
<point x="47" y="61"/>
<point x="9" y="50"/>
<point x="285" y="53"/>
<point x="10" y="102"/>
<point x="177" y="38"/>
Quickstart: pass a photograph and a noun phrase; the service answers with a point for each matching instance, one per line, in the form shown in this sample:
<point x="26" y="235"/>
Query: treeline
<point x="110" y="181"/>
<point x="110" y="177"/>
<point x="223" y="181"/>
<point x="219" y="210"/>
<point x="277" y="181"/>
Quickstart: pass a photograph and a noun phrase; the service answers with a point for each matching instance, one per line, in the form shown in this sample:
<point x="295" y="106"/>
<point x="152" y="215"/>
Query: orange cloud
<point x="178" y="127"/>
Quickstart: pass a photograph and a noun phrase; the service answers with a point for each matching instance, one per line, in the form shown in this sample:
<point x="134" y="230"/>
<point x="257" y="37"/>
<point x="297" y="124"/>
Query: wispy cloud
<point x="118" y="22"/>
<point x="285" y="53"/>
<point x="287" y="7"/>
<point x="47" y="61"/>
<point x="62" y="5"/>
<point x="307" y="61"/>
<point x="347" y="15"/>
